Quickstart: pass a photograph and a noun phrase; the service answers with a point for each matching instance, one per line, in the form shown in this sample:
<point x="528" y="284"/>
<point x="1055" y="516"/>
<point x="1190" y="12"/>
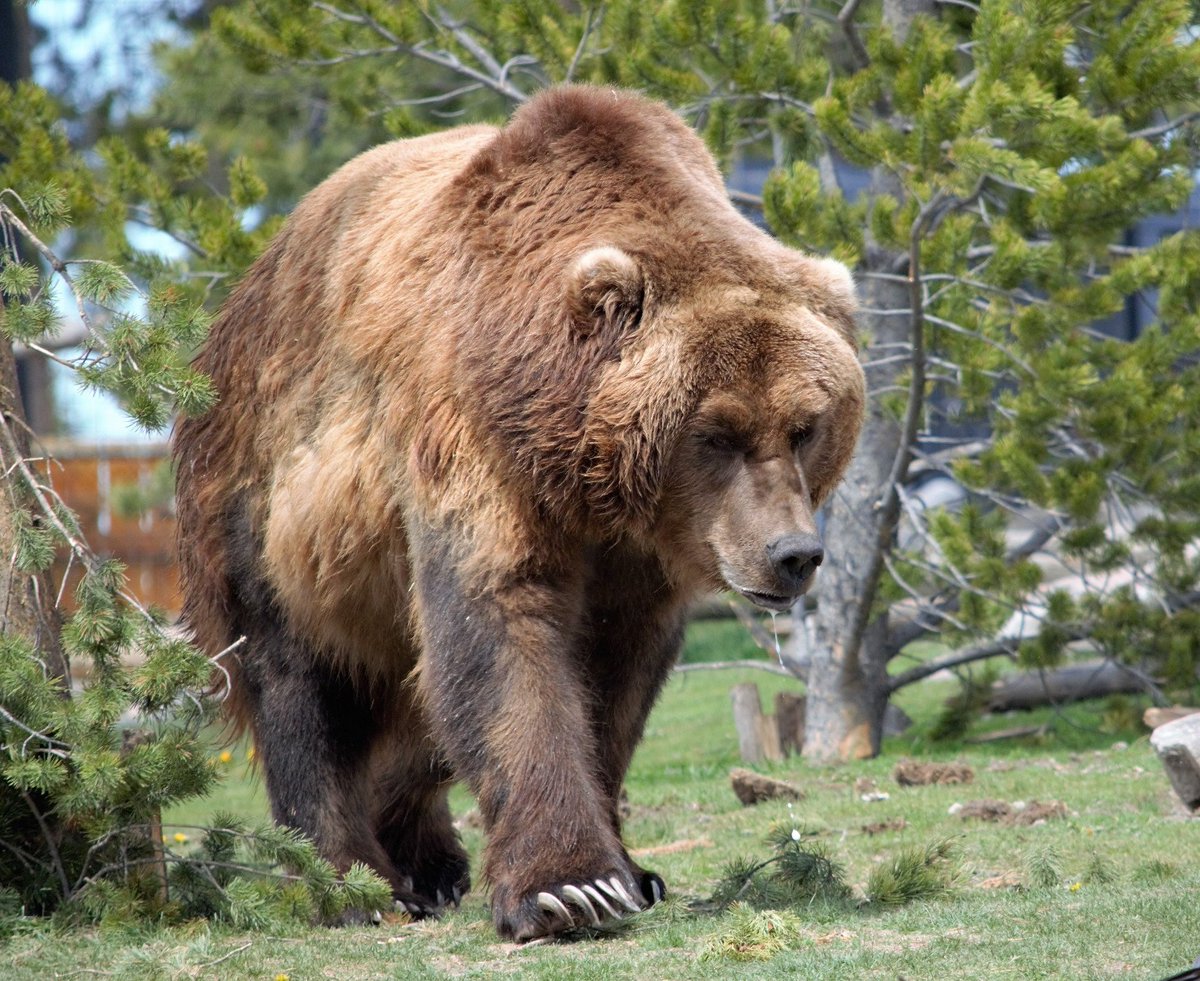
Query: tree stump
<point x="758" y="737"/>
<point x="1178" y="747"/>
<point x="789" y="722"/>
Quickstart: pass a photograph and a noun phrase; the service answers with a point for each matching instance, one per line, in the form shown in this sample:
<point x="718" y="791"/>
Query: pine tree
<point x="81" y="789"/>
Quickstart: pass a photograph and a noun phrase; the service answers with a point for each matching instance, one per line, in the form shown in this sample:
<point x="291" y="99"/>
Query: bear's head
<point x="730" y="413"/>
<point x="641" y="360"/>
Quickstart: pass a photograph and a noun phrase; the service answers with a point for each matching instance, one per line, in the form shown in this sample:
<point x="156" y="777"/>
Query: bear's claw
<point x="579" y="898"/>
<point x="552" y="904"/>
<point x="591" y="904"/>
<point x="596" y="896"/>
<point x="617" y="891"/>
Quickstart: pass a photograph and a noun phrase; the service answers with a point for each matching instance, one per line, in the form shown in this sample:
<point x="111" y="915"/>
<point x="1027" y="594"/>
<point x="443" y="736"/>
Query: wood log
<point x="1073" y="683"/>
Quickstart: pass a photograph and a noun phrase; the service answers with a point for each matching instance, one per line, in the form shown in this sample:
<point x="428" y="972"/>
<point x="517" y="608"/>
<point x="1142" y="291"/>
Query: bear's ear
<point x="604" y="292"/>
<point x="835" y="283"/>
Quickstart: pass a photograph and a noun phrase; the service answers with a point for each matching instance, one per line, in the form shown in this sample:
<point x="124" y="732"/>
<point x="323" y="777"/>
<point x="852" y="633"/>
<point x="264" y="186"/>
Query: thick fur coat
<point x="495" y="405"/>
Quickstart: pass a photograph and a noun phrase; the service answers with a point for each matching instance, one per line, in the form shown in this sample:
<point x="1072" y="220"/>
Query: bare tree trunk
<point x="14" y="41"/>
<point x="27" y="602"/>
<point x="847" y="679"/>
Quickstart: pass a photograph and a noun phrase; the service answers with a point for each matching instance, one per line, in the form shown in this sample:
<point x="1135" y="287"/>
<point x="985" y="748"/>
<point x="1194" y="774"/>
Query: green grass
<point x="1122" y="904"/>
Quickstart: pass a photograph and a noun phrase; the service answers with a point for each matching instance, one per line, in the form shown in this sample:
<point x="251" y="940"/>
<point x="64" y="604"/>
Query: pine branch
<point x="1009" y="645"/>
<point x="495" y="78"/>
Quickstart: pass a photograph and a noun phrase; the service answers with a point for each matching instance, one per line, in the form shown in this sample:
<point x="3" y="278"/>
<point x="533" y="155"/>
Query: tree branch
<point x="845" y="19"/>
<point x="727" y="665"/>
<point x="496" y="81"/>
<point x="980" y="652"/>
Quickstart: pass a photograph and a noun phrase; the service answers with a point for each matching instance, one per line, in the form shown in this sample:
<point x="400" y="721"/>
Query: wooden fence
<point x="86" y="477"/>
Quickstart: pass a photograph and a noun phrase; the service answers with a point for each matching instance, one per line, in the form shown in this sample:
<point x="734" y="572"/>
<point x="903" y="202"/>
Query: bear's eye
<point x="801" y="436"/>
<point x="721" y="441"/>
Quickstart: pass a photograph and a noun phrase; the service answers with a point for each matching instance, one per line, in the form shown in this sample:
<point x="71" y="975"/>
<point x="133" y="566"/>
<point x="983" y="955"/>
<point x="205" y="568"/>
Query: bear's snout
<point x="794" y="559"/>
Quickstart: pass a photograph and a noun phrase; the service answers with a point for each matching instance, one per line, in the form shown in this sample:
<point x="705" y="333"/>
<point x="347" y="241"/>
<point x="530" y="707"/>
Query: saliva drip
<point x="775" y="631"/>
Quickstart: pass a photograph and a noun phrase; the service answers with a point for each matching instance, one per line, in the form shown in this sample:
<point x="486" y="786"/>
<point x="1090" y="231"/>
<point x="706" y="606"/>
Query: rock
<point x="1178" y="747"/>
<point x="754" y="788"/>
<point x="1152" y="718"/>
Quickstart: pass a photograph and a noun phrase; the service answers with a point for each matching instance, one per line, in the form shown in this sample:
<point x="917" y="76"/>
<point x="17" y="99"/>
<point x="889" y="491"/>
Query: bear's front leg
<point x="508" y="706"/>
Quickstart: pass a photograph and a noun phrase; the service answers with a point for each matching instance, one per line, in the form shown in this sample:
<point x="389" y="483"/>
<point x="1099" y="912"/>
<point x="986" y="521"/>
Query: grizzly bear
<point x="495" y="405"/>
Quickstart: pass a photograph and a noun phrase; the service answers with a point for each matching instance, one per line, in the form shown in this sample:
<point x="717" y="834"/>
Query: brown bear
<point x="496" y="404"/>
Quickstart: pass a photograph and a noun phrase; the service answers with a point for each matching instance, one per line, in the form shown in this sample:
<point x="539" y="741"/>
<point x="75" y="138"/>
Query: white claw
<point x="611" y="892"/>
<point x="595" y="894"/>
<point x="457" y="895"/>
<point x="579" y="898"/>
<point x="376" y="917"/>
<point x="656" y="890"/>
<point x="623" y="895"/>
<point x="441" y="899"/>
<point x="552" y="904"/>
<point x="413" y="908"/>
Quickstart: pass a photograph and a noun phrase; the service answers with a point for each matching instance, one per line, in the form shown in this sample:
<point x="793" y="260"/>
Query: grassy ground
<point x="1122" y="870"/>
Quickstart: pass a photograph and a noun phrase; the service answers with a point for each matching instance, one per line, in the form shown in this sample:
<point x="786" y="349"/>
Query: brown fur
<point x="495" y="405"/>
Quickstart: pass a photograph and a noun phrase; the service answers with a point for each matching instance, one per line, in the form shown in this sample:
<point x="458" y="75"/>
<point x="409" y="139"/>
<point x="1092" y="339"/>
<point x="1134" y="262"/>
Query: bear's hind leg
<point x="413" y="822"/>
<point x="313" y="730"/>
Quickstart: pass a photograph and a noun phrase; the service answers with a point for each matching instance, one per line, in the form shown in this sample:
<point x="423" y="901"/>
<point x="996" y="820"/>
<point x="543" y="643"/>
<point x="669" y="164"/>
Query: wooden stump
<point x="758" y="738"/>
<point x="789" y="721"/>
<point x="1178" y="747"/>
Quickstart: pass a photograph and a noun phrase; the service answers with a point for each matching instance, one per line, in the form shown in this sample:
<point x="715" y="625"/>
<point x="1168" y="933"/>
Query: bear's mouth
<point x="769" y="601"/>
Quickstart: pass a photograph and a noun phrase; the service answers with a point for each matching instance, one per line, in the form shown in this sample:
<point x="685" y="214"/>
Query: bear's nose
<point x="795" y="558"/>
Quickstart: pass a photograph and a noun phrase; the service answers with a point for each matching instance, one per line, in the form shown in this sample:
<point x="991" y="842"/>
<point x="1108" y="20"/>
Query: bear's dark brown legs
<point x="635" y="626"/>
<point x="312" y="730"/>
<point x="506" y="701"/>
<point x="413" y="817"/>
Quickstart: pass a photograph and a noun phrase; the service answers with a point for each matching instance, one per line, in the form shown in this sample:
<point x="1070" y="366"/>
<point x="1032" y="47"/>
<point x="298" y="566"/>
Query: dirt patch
<point x="754" y="788"/>
<point x="1005" y="880"/>
<point x="1017" y="814"/>
<point x="686" y="845"/>
<point x="910" y="773"/>
<point x="879" y="827"/>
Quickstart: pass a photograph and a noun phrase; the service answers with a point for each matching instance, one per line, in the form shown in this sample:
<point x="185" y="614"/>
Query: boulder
<point x="1178" y="747"/>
